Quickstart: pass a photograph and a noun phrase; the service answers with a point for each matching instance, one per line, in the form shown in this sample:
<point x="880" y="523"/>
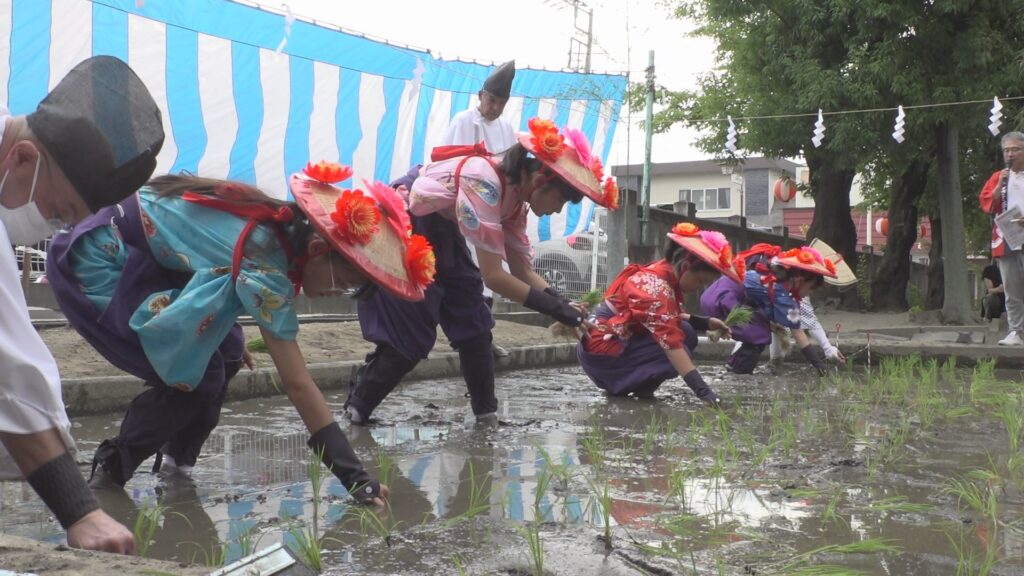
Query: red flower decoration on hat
<point x="725" y="256"/>
<point x="420" y="262"/>
<point x="611" y="194"/>
<point x="685" y="229"/>
<point x="597" y="169"/>
<point x="548" y="145"/>
<point x="541" y="125"/>
<point x="327" y="172"/>
<point x="830" y="266"/>
<point x="357" y="216"/>
<point x="740" y="267"/>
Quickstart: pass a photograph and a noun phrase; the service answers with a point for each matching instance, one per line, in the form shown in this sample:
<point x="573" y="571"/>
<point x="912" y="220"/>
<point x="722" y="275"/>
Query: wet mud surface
<point x="915" y="470"/>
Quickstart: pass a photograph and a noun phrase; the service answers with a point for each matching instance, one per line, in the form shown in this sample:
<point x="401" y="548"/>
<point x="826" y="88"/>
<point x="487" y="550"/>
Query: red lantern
<point x="882" y="226"/>
<point x="785" y="189"/>
<point x="924" y="231"/>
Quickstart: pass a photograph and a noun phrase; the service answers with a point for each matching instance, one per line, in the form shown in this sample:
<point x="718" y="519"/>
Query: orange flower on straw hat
<point x="420" y="261"/>
<point x="547" y="141"/>
<point x="327" y="172"/>
<point x="740" y="266"/>
<point x="611" y="194"/>
<point x="357" y="216"/>
<point x="685" y="229"/>
<point x="725" y="256"/>
<point x="830" y="266"/>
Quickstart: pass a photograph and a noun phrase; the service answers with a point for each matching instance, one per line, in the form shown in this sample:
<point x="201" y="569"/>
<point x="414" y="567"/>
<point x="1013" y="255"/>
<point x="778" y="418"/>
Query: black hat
<point x="499" y="82"/>
<point x="103" y="128"/>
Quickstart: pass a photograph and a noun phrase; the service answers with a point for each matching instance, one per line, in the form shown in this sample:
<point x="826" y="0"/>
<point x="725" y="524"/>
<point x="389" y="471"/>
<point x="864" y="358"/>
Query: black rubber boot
<point x="376" y="378"/>
<point x="477" y="362"/>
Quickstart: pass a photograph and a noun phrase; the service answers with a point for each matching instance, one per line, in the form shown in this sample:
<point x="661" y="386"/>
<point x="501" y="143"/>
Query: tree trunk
<point x="832" y="221"/>
<point x="956" y="303"/>
<point x="889" y="286"/>
<point x="933" y="299"/>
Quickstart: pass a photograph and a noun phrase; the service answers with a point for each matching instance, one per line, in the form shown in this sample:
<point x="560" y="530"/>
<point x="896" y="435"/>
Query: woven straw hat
<point x="708" y="245"/>
<point x="369" y="227"/>
<point x="844" y="274"/>
<point x="567" y="153"/>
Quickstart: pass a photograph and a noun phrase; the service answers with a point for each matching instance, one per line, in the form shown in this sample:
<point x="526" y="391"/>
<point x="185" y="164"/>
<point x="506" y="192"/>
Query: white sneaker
<point x="1012" y="339"/>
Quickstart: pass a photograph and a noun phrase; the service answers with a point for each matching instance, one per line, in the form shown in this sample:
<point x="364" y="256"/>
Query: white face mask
<point x="25" y="224"/>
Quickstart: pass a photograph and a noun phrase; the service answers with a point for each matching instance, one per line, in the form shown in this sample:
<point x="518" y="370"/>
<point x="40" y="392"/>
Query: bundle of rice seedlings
<point x="738" y="316"/>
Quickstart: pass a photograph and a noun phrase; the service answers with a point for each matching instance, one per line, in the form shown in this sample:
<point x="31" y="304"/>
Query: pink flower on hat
<point x="714" y="239"/>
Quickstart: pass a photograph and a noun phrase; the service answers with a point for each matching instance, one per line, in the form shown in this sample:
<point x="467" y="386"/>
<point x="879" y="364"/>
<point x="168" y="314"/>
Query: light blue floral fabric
<point x="181" y="329"/>
<point x="782" y="311"/>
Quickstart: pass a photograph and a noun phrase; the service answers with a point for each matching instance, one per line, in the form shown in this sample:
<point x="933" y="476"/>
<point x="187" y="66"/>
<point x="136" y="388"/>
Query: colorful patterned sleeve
<point x="478" y="207"/>
<point x="650" y="302"/>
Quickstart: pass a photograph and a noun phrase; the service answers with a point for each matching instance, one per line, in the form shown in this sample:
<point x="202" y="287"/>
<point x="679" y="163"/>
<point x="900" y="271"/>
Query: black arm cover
<point x="341" y="459"/>
<point x="545" y="303"/>
<point x="553" y="292"/>
<point x="812" y="356"/>
<point x="700" y="323"/>
<point x="700" y="388"/>
<point x="61" y="486"/>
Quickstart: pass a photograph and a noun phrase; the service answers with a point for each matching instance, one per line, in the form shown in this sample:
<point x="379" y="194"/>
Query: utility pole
<point x="648" y="134"/>
<point x="582" y="42"/>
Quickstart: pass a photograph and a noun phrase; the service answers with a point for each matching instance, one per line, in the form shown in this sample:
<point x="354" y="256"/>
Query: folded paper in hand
<point x="1011" y="226"/>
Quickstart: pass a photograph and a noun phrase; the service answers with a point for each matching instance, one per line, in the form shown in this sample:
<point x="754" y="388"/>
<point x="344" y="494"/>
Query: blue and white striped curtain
<point x="234" y="107"/>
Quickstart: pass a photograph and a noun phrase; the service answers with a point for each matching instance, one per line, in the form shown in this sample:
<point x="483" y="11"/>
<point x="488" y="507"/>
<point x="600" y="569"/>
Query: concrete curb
<point x="109" y="394"/>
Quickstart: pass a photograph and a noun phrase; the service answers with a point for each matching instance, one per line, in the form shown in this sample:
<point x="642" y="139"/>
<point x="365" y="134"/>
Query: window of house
<point x="724" y="195"/>
<point x="684" y="195"/>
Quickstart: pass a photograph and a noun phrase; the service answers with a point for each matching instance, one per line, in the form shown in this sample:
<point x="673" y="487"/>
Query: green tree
<point x="777" y="58"/>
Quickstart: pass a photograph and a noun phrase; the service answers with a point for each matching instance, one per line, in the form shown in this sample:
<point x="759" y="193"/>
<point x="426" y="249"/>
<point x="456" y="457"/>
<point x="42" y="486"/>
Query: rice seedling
<point x="867" y="546"/>
<point x="831" y="512"/>
<point x="459" y="566"/>
<point x="738" y="316"/>
<point x="593" y="299"/>
<point x="256" y="345"/>
<point x="371" y="522"/>
<point x="977" y="496"/>
<point x="535" y="547"/>
<point x="594" y="445"/>
<point x="677" y="483"/>
<point x="899" y="504"/>
<point x="385" y="465"/>
<point x="561" y="471"/>
<point x="604" y="502"/>
<point x="306" y="542"/>
<point x="480" y="492"/>
<point x="967" y="561"/>
<point x="651" y="435"/>
<point x="543" y="480"/>
<point x="146" y="522"/>
<point x="247" y="539"/>
<point x="215" y="557"/>
<point x="1011" y="414"/>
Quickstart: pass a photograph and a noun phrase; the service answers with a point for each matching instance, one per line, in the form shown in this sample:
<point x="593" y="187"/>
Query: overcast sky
<point x="537" y="33"/>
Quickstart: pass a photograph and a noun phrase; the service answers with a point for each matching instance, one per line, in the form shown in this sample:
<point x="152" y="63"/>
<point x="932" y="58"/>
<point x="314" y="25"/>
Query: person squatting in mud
<point x="773" y="285"/>
<point x="157" y="282"/>
<point x="465" y="200"/>
<point x="642" y="335"/>
<point x="811" y="329"/>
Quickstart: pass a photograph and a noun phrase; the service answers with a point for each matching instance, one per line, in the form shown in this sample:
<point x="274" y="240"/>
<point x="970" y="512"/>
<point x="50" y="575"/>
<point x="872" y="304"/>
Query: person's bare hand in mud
<point x="97" y="531"/>
<point x="248" y="360"/>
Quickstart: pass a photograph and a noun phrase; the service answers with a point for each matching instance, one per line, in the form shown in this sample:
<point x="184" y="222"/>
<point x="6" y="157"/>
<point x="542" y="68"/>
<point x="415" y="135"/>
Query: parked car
<point x="37" y="261"/>
<point x="566" y="263"/>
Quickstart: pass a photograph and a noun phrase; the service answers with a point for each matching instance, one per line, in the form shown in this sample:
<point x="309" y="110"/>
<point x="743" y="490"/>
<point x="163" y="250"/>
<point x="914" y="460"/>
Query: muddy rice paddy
<point x="915" y="469"/>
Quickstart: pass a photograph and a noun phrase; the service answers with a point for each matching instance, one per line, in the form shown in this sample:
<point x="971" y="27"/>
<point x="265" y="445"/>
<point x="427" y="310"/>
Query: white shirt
<point x="1015" y="191"/>
<point x="470" y="127"/>
<point x="30" y="395"/>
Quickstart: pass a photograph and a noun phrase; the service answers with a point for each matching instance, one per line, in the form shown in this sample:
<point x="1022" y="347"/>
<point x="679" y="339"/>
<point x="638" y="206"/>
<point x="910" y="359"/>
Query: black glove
<point x="700" y="323"/>
<point x="553" y="292"/>
<point x="546" y="303"/>
<point x="812" y="356"/>
<point x="337" y="454"/>
<point x="701" y="389"/>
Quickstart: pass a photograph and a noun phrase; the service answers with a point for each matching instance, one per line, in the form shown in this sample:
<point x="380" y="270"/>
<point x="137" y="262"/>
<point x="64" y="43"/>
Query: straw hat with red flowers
<point x="809" y="259"/>
<point x="567" y="153"/>
<point x="710" y="246"/>
<point x="369" y="227"/>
